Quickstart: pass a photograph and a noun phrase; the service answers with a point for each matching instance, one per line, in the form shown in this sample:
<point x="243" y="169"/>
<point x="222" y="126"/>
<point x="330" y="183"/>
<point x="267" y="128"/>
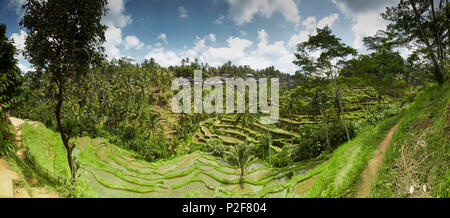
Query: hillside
<point x="106" y="170"/>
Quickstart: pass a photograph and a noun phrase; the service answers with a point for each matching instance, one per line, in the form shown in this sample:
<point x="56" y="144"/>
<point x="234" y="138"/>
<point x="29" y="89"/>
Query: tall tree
<point x="426" y="25"/>
<point x="332" y="53"/>
<point x="64" y="39"/>
<point x="12" y="91"/>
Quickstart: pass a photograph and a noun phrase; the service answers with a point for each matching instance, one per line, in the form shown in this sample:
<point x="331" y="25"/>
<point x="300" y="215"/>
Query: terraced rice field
<point x="114" y="172"/>
<point x="226" y="130"/>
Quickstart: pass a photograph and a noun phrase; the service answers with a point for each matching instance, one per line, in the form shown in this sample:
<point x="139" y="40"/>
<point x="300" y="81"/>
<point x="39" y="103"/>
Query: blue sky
<point x="259" y="33"/>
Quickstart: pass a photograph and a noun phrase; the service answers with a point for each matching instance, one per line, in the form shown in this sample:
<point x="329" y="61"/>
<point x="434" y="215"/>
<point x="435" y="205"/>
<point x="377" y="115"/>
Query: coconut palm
<point x="242" y="157"/>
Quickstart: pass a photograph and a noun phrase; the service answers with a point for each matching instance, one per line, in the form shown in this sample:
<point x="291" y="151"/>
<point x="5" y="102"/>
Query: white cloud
<point x="183" y="12"/>
<point x="163" y="37"/>
<point x="24" y="68"/>
<point x="133" y="42"/>
<point x="16" y="5"/>
<point x="164" y="58"/>
<point x="243" y="11"/>
<point x="328" y="21"/>
<point x="116" y="20"/>
<point x="365" y="15"/>
<point x="113" y="40"/>
<point x="243" y="33"/>
<point x="116" y="16"/>
<point x="219" y="19"/>
<point x="237" y="51"/>
<point x="299" y="38"/>
<point x="310" y="25"/>
<point x="19" y="41"/>
<point x="212" y="37"/>
<point x="366" y="25"/>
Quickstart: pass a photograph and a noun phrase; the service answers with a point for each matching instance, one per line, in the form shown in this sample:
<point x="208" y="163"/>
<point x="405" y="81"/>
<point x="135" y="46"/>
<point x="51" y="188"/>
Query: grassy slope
<point x="419" y="154"/>
<point x="109" y="171"/>
<point x="341" y="176"/>
<point x="46" y="161"/>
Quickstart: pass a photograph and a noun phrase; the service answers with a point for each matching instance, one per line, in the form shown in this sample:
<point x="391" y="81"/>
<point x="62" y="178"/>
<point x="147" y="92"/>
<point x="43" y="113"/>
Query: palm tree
<point x="242" y="157"/>
<point x="152" y="123"/>
<point x="246" y="118"/>
<point x="291" y="109"/>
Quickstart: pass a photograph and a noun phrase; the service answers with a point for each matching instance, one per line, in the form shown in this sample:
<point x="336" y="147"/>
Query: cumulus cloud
<point x="19" y="41"/>
<point x="116" y="19"/>
<point x="133" y="42"/>
<point x="113" y="37"/>
<point x="243" y="11"/>
<point x="365" y="15"/>
<point x="350" y="7"/>
<point x="237" y="50"/>
<point x="116" y="16"/>
<point x="310" y="24"/>
<point x="212" y="37"/>
<point x="328" y="20"/>
<point x="163" y="37"/>
<point x="164" y="58"/>
<point x="183" y="12"/>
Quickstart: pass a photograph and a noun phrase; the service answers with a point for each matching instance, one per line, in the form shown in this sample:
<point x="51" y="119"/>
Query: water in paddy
<point x="194" y="175"/>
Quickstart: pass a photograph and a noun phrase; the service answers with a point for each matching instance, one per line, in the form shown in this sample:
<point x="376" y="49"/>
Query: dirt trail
<point x="16" y="123"/>
<point x="8" y="176"/>
<point x="371" y="172"/>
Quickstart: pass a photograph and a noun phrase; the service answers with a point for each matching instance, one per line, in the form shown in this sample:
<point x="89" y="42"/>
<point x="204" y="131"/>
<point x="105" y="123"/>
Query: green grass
<point x="46" y="149"/>
<point x="341" y="176"/>
<point x="420" y="150"/>
<point x="46" y="161"/>
<point x="100" y="161"/>
<point x="116" y="169"/>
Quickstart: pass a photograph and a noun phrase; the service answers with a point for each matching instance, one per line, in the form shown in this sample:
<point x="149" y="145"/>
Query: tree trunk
<point x="338" y="96"/>
<point x="64" y="137"/>
<point x="270" y="143"/>
<point x="324" y="120"/>
<point x="438" y="72"/>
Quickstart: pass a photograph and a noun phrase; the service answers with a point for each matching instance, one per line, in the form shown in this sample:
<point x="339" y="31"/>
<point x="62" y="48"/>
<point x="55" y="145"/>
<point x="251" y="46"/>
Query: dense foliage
<point x="12" y="91"/>
<point x="64" y="39"/>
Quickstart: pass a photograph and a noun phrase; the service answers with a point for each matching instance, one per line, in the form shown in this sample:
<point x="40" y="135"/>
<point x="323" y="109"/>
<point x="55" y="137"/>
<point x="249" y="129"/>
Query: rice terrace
<point x="224" y="99"/>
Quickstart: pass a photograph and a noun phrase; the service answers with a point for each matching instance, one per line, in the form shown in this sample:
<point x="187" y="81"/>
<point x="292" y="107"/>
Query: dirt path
<point x="371" y="172"/>
<point x="8" y="176"/>
<point x="16" y="123"/>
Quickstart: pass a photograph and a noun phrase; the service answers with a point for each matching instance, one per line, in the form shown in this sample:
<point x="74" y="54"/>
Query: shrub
<point x="313" y="140"/>
<point x="282" y="159"/>
<point x="6" y="137"/>
<point x="216" y="147"/>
